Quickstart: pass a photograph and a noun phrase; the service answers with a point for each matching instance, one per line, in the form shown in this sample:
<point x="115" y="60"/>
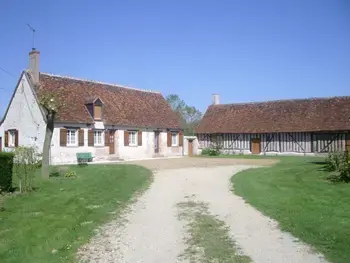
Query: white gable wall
<point x="25" y="116"/>
<point x="2" y="135"/>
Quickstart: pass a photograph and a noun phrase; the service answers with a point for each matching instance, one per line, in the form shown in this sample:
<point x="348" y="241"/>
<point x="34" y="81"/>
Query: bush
<point x="339" y="166"/>
<point x="6" y="166"/>
<point x="25" y="163"/>
<point x="214" y="150"/>
<point x="70" y="174"/>
<point x="334" y="160"/>
<point x="205" y="151"/>
<point x="2" y="199"/>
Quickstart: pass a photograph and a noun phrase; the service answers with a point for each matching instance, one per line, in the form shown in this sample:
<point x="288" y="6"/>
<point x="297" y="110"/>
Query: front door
<point x="111" y="141"/>
<point x="256" y="146"/>
<point x="190" y="148"/>
<point x="156" y="141"/>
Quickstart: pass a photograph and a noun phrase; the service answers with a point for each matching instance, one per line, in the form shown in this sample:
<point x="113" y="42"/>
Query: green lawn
<point x="51" y="223"/>
<point x="296" y="193"/>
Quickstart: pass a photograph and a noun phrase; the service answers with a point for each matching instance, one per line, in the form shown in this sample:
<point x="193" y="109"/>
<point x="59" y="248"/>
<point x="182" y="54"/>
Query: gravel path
<point x="153" y="232"/>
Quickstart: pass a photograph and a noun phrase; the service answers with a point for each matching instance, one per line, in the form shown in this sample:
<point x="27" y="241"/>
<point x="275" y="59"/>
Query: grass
<point x="209" y="240"/>
<point x="52" y="222"/>
<point x="296" y="193"/>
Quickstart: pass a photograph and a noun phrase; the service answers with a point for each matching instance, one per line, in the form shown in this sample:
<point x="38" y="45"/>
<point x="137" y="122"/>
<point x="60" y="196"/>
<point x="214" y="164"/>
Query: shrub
<point x="58" y="171"/>
<point x="70" y="174"/>
<point x="25" y="163"/>
<point x="214" y="150"/>
<point x="205" y="151"/>
<point x="333" y="161"/>
<point x="2" y="199"/>
<point x="339" y="165"/>
<point x="6" y="166"/>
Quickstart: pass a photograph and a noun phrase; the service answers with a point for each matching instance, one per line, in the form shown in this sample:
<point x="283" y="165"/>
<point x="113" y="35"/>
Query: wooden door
<point x="256" y="146"/>
<point x="156" y="142"/>
<point x="0" y="144"/>
<point x="111" y="142"/>
<point x="190" y="148"/>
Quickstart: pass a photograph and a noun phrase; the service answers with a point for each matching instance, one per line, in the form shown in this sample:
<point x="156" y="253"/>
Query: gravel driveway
<point x="152" y="232"/>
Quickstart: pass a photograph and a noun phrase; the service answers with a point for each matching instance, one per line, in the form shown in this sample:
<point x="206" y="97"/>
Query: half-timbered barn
<point x="301" y="126"/>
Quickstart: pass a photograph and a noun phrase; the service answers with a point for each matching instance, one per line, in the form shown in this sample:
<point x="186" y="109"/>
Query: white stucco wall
<point x="25" y="116"/>
<point x="67" y="154"/>
<point x="195" y="145"/>
<point x="136" y="152"/>
<point x="2" y="137"/>
<point x="168" y="151"/>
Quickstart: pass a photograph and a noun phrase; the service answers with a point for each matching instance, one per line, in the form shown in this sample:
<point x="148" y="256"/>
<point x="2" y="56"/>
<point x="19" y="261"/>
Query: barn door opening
<point x="255" y="145"/>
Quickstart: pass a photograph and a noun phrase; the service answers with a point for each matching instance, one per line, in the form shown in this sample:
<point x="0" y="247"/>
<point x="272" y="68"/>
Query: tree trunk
<point x="45" y="168"/>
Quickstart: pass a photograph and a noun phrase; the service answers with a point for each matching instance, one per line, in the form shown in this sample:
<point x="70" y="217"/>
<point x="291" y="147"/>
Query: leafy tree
<point x="190" y="115"/>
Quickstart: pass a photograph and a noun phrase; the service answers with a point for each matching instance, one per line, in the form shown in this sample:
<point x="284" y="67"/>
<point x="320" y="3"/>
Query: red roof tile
<point x="122" y="105"/>
<point x="316" y="114"/>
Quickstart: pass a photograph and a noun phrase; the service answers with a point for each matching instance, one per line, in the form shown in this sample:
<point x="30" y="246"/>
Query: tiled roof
<point x="122" y="105"/>
<point x="300" y="115"/>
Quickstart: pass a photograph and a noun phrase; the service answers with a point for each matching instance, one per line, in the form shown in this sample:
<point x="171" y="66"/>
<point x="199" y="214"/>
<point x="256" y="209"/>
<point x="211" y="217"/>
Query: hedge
<point x="6" y="165"/>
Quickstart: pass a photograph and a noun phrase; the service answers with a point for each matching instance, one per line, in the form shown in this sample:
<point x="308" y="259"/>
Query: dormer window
<point x="97" y="112"/>
<point x="95" y="108"/>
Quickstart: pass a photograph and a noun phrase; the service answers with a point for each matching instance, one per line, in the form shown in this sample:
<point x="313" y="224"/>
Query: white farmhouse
<point x="109" y="121"/>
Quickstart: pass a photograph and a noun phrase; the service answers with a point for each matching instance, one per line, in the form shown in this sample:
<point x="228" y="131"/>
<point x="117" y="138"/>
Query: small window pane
<point x="133" y="138"/>
<point x="174" y="139"/>
<point x="12" y="139"/>
<point x="98" y="138"/>
<point x="71" y="137"/>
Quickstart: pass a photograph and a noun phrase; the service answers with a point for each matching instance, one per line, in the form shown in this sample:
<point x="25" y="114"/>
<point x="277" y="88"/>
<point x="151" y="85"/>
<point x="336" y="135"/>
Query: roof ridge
<point x="99" y="82"/>
<point x="282" y="100"/>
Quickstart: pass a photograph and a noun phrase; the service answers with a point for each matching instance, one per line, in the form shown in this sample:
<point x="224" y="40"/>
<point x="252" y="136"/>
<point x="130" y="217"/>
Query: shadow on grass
<point x="322" y="164"/>
<point x="319" y="162"/>
<point x="55" y="174"/>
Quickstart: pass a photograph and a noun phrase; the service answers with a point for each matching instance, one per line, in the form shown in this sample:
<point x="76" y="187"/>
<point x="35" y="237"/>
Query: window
<point x="98" y="138"/>
<point x="174" y="139"/>
<point x="12" y="138"/>
<point x="133" y="138"/>
<point x="72" y="138"/>
<point x="97" y="112"/>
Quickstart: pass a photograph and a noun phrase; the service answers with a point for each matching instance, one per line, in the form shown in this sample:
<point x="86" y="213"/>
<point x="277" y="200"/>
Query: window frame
<point x="102" y="143"/>
<point x="11" y="138"/>
<point x="131" y="133"/>
<point x="176" y="139"/>
<point x="69" y="137"/>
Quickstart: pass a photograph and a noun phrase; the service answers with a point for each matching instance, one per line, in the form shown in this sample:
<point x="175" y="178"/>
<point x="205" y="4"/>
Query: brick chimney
<point x="216" y="99"/>
<point x="34" y="66"/>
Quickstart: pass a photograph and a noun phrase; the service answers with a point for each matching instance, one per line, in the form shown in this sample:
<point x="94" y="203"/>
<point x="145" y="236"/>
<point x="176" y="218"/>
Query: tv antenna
<point x="33" y="30"/>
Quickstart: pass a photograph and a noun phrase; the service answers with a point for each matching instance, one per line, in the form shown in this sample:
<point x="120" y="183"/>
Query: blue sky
<point x="243" y="50"/>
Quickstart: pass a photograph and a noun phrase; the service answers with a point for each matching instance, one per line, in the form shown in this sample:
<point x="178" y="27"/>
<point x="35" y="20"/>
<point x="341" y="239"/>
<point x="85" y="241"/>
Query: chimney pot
<point x="216" y="99"/>
<point x="34" y="66"/>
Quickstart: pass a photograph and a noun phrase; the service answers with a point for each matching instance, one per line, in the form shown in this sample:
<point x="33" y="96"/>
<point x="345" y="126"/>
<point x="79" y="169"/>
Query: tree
<point x="190" y="115"/>
<point x="51" y="103"/>
<point x="192" y="118"/>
